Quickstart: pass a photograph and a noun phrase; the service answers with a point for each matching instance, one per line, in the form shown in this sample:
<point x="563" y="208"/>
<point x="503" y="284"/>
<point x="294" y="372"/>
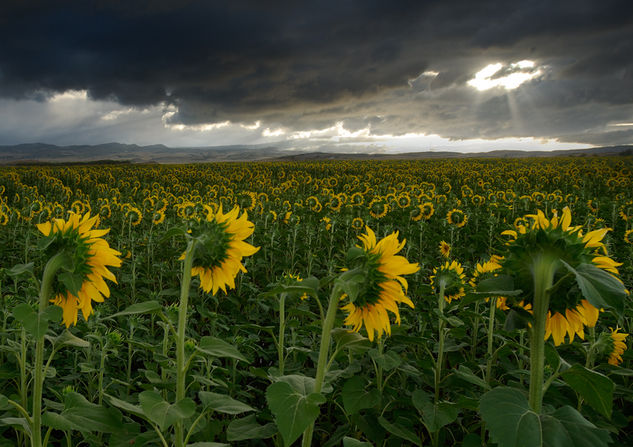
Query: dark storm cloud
<point x="307" y="65"/>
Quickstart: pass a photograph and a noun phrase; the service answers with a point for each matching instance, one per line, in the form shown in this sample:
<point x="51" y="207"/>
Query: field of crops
<point x="462" y="302"/>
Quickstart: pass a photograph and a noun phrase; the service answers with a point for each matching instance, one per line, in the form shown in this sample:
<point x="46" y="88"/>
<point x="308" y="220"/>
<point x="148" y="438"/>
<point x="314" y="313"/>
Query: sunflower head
<point x="373" y="283"/>
<point x="617" y="346"/>
<point x="583" y="273"/>
<point x="450" y="276"/>
<point x="86" y="257"/>
<point x="456" y="218"/>
<point x="445" y="249"/>
<point x="219" y="248"/>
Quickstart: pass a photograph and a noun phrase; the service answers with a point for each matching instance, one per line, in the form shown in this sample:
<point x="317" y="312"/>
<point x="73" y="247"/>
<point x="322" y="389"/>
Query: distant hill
<point x="132" y="153"/>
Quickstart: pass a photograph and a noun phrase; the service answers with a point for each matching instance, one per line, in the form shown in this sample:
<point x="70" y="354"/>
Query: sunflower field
<point x="465" y="302"/>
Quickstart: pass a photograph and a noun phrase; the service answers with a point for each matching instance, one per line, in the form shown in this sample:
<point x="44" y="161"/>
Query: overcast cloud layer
<point x="198" y="72"/>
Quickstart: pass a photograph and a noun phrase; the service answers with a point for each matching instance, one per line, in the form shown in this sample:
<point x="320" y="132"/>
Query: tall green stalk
<point x="46" y="289"/>
<point x="326" y="335"/>
<point x="543" y="270"/>
<point x="491" y="328"/>
<point x="282" y="333"/>
<point x="440" y="349"/>
<point x="181" y="372"/>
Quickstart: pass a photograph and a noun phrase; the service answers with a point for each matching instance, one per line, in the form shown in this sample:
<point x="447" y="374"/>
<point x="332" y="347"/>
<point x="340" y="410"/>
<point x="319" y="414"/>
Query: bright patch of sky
<point x="508" y="76"/>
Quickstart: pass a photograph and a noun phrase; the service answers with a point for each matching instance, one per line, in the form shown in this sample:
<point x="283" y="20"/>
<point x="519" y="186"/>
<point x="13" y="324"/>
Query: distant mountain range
<point x="132" y="153"/>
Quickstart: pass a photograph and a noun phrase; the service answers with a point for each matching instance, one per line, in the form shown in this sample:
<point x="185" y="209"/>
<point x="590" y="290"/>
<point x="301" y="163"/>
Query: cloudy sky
<point x="342" y="75"/>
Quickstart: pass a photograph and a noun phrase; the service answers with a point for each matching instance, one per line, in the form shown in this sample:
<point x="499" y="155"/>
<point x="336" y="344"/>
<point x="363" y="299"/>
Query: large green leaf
<point x="81" y="415"/>
<point x="351" y="442"/>
<point x="512" y="423"/>
<point x="28" y="318"/>
<point x="223" y="403"/>
<point x="145" y="307"/>
<point x="509" y="418"/>
<point x="501" y="285"/>
<point x="599" y="287"/>
<point x="356" y="397"/>
<point x="72" y="281"/>
<point x="161" y="412"/>
<point x="400" y="431"/>
<point x="595" y="388"/>
<point x="66" y="338"/>
<point x="219" y="348"/>
<point x="434" y="415"/>
<point x="294" y="411"/>
<point x="567" y="427"/>
<point x="248" y="428"/>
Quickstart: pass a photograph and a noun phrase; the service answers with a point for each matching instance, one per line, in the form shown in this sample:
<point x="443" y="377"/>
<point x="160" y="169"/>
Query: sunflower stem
<point x="440" y="349"/>
<point x="543" y="270"/>
<point x="282" y="331"/>
<point x="491" y="327"/>
<point x="326" y="335"/>
<point x="181" y="371"/>
<point x="48" y="277"/>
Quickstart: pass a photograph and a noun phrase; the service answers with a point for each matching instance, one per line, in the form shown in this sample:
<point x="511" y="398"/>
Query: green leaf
<point x="125" y="406"/>
<point x="599" y="287"/>
<point x="66" y="338"/>
<point x="223" y="403"/>
<point x="172" y="232"/>
<point x="4" y="402"/>
<point x="248" y="428"/>
<point x="17" y="422"/>
<point x="434" y="415"/>
<point x="509" y="418"/>
<point x="387" y="361"/>
<point x="161" y="412"/>
<point x="356" y="398"/>
<point x="512" y="423"/>
<point x="56" y="421"/>
<point x="293" y="411"/>
<point x="28" y="318"/>
<point x="81" y="415"/>
<point x="345" y="338"/>
<point x="500" y="285"/>
<point x="465" y="373"/>
<point x="72" y="281"/>
<point x="566" y="427"/>
<point x="145" y="307"/>
<point x="208" y="444"/>
<point x="399" y="431"/>
<point x="595" y="388"/>
<point x="20" y="269"/>
<point x="219" y="348"/>
<point x="351" y="442"/>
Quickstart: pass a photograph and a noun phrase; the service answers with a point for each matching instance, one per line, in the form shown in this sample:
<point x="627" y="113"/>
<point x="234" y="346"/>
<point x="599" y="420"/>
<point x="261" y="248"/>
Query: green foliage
<point x="512" y="423"/>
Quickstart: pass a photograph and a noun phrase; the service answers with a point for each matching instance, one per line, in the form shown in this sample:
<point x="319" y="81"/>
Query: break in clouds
<point x="201" y="73"/>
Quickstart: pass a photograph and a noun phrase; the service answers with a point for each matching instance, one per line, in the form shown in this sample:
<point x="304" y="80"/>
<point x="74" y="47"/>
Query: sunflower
<point x="90" y="254"/>
<point x="378" y="208"/>
<point x="221" y="247"/>
<point x="445" y="249"/>
<point x="134" y="214"/>
<point x="618" y="346"/>
<point x="628" y="236"/>
<point x="357" y="224"/>
<point x="560" y="244"/>
<point x="4" y="219"/>
<point x="158" y="217"/>
<point x="456" y="217"/>
<point x="383" y="287"/>
<point x="452" y="275"/>
<point x="427" y="210"/>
